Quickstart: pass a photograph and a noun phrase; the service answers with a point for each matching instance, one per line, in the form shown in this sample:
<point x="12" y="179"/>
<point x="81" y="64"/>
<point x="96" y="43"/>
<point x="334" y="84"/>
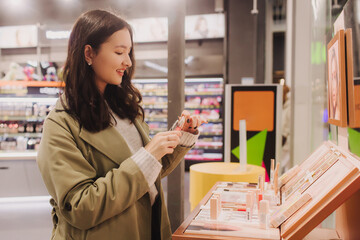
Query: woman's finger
<point x="185" y="113"/>
<point x="194" y="122"/>
<point x="172" y="144"/>
<point x="173" y="138"/>
<point x="167" y="133"/>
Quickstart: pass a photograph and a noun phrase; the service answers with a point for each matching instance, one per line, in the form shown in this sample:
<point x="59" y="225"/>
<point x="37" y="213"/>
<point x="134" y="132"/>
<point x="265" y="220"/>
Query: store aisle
<point x="30" y="218"/>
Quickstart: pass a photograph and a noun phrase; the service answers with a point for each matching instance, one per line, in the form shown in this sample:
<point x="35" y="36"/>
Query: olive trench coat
<point x="97" y="190"/>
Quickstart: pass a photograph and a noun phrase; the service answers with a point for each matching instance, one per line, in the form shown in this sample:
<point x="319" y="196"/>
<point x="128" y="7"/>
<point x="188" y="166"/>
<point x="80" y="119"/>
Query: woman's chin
<point x="117" y="83"/>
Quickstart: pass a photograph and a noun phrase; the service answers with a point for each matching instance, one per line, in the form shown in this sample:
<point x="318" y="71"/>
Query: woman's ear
<point x="89" y="54"/>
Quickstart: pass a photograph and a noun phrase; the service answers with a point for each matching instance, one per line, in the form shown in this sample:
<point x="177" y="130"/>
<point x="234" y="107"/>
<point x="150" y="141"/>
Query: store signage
<point x="150" y="29"/>
<point x="196" y="27"/>
<point x="260" y="105"/>
<point x="145" y="30"/>
<point x="205" y="26"/>
<point x="19" y="36"/>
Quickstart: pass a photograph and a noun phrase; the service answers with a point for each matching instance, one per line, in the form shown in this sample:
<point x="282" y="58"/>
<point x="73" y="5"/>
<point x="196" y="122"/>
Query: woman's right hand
<point x="163" y="143"/>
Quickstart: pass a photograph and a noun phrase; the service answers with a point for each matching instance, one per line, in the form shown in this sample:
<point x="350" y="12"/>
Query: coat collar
<point x="110" y="142"/>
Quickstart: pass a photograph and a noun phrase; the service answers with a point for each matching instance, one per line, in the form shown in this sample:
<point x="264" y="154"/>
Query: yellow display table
<point x="203" y="176"/>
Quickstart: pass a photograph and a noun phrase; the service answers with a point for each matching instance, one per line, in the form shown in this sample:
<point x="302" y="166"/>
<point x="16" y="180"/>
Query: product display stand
<point x="347" y="215"/>
<point x="308" y="194"/>
<point x="204" y="175"/>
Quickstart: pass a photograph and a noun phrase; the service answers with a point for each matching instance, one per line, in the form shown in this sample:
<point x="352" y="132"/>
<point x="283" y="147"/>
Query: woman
<point x="334" y="87"/>
<point x="96" y="158"/>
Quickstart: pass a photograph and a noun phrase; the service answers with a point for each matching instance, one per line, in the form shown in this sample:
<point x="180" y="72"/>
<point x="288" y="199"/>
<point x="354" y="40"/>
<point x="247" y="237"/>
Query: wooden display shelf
<point x="32" y="83"/>
<point x="330" y="175"/>
<point x="181" y="234"/>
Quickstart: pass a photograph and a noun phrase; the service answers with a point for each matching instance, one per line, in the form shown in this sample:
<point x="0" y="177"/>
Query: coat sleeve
<point x="84" y="199"/>
<point x="170" y="161"/>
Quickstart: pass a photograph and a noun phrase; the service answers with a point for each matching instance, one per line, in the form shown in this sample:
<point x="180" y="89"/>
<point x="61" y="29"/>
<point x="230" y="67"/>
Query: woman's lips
<point x="120" y="72"/>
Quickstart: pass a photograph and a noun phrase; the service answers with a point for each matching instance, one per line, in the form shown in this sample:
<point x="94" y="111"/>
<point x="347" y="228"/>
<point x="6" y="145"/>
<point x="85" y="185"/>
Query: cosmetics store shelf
<point x="155" y="108"/>
<point x="28" y="135"/>
<point x="208" y="147"/>
<point x="204" y="94"/>
<point x="32" y="83"/>
<point x="208" y="144"/>
<point x="161" y="107"/>
<point x="215" y="120"/>
<point x="164" y="120"/>
<point x="149" y="94"/>
<point x="16" y="155"/>
<point x="202" y="108"/>
<point x="22" y="118"/>
<point x="187" y="80"/>
<point x="210" y="134"/>
<point x="28" y="99"/>
<point x="208" y="157"/>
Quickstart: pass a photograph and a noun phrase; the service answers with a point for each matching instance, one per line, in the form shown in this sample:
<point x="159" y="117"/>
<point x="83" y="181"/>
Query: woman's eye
<point x="119" y="53"/>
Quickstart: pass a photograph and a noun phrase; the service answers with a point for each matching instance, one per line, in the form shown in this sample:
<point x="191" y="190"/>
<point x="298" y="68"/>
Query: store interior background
<point x="285" y="40"/>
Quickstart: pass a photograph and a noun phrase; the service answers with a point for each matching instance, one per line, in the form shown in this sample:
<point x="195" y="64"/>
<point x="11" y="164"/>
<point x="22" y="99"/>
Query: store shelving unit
<point x="21" y="117"/>
<point x="23" y="109"/>
<point x="202" y="96"/>
<point x="32" y="83"/>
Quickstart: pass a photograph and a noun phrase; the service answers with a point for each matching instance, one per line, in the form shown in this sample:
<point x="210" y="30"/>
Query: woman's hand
<point x="191" y="122"/>
<point x="163" y="143"/>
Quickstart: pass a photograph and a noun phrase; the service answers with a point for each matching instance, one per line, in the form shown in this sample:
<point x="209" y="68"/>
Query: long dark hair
<point x="83" y="99"/>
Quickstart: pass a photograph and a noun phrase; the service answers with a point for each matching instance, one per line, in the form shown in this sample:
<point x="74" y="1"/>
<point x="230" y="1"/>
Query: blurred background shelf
<point x="32" y="83"/>
<point x="203" y="96"/>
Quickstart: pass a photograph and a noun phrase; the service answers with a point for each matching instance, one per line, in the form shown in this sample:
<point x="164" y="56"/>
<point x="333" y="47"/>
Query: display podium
<point x="204" y="175"/>
<point x="308" y="194"/>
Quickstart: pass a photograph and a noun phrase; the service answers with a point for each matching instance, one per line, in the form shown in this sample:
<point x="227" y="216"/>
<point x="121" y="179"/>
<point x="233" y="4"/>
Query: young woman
<point x="96" y="158"/>
<point x="334" y="87"/>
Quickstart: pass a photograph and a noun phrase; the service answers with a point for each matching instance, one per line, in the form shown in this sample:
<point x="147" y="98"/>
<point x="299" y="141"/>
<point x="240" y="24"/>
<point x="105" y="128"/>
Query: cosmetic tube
<point x="264" y="217"/>
<point x="249" y="205"/>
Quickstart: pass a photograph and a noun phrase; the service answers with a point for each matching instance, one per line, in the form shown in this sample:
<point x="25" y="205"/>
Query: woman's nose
<point x="128" y="61"/>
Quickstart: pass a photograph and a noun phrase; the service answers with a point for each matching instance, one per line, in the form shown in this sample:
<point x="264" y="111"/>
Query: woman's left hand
<point x="192" y="122"/>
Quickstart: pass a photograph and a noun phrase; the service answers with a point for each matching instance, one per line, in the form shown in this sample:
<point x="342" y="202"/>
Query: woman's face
<point x="334" y="82"/>
<point x="112" y="59"/>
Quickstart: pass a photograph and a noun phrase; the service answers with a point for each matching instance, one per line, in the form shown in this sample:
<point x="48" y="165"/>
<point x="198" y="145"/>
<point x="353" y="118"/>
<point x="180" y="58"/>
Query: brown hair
<point x="83" y="99"/>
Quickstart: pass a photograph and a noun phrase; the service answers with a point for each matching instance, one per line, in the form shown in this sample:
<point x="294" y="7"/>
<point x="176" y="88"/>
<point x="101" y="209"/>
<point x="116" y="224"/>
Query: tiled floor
<point x="31" y="219"/>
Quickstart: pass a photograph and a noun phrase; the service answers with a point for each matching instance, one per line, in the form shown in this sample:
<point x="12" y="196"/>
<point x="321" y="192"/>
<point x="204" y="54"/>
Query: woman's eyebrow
<point x="122" y="46"/>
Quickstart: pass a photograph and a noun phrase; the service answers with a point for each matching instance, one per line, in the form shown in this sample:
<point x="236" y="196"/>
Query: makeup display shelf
<point x="203" y="96"/>
<point x="303" y="198"/>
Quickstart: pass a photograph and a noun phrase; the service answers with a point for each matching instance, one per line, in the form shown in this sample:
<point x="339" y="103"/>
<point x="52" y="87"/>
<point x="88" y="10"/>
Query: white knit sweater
<point x="147" y="163"/>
